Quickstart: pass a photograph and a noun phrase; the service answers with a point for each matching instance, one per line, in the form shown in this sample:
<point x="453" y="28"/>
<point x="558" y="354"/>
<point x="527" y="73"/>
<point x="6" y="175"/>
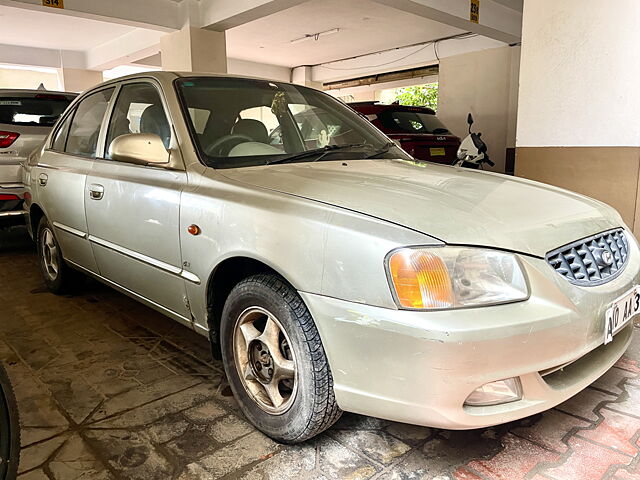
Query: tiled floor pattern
<point x="109" y="389"/>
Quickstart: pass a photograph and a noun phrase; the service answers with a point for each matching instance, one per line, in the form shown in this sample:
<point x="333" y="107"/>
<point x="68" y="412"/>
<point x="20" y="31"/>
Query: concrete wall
<point x="20" y="78"/>
<point x="578" y="103"/>
<point x="484" y="83"/>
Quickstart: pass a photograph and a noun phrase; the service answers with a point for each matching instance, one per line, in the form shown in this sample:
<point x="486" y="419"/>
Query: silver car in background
<point x="26" y="118"/>
<point x="330" y="270"/>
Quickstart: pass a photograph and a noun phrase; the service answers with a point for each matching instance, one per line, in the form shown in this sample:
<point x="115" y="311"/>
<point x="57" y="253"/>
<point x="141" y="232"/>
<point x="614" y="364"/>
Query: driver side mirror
<point x="470" y="119"/>
<point x="139" y="149"/>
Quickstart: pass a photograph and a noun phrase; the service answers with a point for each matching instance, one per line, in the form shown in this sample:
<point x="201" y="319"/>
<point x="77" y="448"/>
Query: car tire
<point x="284" y="387"/>
<point x="58" y="276"/>
<point x="9" y="429"/>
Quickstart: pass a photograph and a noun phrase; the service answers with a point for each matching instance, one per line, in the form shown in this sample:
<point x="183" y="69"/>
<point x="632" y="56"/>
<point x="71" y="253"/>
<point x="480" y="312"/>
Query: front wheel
<point x="275" y="362"/>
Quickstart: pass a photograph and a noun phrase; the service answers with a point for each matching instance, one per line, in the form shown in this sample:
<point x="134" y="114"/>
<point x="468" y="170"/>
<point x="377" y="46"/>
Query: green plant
<point x="419" y="95"/>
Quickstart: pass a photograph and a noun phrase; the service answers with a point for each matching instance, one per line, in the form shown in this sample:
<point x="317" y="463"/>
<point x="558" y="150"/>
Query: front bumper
<point x="419" y="367"/>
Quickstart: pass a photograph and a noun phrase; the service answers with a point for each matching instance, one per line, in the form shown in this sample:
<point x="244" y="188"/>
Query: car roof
<point x="380" y="107"/>
<point x="32" y="93"/>
<point x="169" y="76"/>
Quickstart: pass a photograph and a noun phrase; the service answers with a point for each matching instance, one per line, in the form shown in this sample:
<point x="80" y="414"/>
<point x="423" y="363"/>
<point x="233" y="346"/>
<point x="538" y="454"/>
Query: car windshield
<point x="412" y="122"/>
<point x="245" y="122"/>
<point x="39" y="110"/>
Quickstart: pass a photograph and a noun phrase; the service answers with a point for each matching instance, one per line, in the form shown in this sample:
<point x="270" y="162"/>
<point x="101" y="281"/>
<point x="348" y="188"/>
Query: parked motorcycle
<point x="473" y="151"/>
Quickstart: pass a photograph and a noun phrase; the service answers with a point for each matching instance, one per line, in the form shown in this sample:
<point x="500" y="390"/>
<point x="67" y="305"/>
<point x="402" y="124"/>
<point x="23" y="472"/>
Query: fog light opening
<point x="496" y="393"/>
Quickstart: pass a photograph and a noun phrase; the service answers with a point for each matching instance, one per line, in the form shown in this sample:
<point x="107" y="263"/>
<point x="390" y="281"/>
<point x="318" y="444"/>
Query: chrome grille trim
<point x="581" y="262"/>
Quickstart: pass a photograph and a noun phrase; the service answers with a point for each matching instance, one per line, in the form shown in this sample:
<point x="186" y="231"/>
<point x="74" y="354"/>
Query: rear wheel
<point x="275" y="362"/>
<point x="58" y="276"/>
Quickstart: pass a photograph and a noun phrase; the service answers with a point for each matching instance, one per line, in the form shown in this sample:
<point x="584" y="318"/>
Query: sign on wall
<point x="53" y="3"/>
<point x="474" y="13"/>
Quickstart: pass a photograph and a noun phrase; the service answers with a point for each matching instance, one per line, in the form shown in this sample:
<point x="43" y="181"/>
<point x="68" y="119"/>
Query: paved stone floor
<point x="109" y="389"/>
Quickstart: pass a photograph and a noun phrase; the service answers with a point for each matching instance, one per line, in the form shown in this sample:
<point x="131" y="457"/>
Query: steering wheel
<point x="216" y="148"/>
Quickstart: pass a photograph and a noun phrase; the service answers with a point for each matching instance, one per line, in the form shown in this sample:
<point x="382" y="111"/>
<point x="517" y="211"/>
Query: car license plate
<point x="436" y="152"/>
<point x="620" y="312"/>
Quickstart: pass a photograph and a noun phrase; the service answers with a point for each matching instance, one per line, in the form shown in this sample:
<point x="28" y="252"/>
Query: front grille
<point x="593" y="260"/>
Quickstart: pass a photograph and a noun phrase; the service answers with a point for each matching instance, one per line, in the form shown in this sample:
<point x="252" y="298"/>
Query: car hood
<point x="455" y="205"/>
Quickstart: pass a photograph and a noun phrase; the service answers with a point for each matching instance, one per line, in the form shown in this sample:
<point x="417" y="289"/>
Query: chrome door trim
<point x="192" y="277"/>
<point x="179" y="272"/>
<point x="71" y="230"/>
<point x="150" y="303"/>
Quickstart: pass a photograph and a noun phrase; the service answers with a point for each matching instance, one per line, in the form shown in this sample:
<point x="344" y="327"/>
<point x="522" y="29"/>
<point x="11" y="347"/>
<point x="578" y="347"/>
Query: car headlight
<point x="455" y="277"/>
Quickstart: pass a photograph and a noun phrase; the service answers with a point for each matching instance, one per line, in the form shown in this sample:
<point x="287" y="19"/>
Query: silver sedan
<point x="330" y="270"/>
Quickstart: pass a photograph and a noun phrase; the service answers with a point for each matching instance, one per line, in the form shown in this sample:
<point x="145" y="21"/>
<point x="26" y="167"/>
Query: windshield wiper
<point x="321" y="152"/>
<point x="384" y="149"/>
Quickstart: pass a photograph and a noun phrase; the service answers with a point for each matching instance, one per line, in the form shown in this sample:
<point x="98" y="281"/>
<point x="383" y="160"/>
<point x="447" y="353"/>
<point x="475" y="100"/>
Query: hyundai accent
<point x="330" y="270"/>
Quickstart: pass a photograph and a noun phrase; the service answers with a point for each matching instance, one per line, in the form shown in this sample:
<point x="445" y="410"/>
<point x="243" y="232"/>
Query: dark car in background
<point x="419" y="131"/>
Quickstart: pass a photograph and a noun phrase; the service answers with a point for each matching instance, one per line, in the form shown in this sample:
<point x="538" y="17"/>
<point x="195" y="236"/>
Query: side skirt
<point x="187" y="322"/>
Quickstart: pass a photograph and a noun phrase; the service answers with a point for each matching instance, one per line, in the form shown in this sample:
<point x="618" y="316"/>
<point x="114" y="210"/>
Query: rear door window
<point x="85" y="126"/>
<point x="40" y="110"/>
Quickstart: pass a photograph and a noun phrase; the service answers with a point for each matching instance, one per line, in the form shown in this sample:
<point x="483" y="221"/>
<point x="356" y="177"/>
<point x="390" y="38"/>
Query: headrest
<point x="154" y="120"/>
<point x="254" y="129"/>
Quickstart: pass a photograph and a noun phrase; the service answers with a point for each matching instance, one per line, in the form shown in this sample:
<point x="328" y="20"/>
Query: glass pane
<point x="138" y="110"/>
<point x="61" y="135"/>
<point x="412" y="122"/>
<point x="255" y="122"/>
<point x="85" y="127"/>
<point x="42" y="109"/>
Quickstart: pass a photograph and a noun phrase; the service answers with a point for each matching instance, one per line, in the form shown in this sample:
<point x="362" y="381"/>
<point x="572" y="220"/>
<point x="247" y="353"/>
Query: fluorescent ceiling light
<point x="315" y="36"/>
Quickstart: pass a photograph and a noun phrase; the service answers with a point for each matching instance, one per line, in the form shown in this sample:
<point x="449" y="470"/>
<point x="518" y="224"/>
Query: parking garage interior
<point x="108" y="388"/>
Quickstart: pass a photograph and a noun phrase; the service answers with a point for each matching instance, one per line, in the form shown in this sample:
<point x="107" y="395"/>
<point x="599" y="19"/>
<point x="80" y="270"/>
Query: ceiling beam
<point x="220" y="15"/>
<point x="162" y="15"/>
<point x="41" y="57"/>
<point x="123" y="50"/>
<point x="497" y="21"/>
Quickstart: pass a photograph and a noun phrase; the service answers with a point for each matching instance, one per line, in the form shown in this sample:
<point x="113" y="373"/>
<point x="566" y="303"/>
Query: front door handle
<point x="42" y="179"/>
<point x="96" y="191"/>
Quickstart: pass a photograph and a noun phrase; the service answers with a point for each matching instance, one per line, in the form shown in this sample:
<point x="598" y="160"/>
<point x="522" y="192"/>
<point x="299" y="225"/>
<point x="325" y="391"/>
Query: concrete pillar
<point x="484" y="83"/>
<point x="302" y="76"/>
<point x="77" y="80"/>
<point x="194" y="50"/>
<point x="579" y="100"/>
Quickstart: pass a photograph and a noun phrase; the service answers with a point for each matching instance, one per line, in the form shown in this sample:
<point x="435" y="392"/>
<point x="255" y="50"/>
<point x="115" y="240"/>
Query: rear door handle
<point x="42" y="179"/>
<point x="96" y="191"/>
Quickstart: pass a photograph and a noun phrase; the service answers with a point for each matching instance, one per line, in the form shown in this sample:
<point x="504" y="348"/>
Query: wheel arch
<point x="35" y="214"/>
<point x="226" y="275"/>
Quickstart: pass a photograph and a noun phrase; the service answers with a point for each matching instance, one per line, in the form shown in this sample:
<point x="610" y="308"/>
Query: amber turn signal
<point x="193" y="229"/>
<point x="421" y="279"/>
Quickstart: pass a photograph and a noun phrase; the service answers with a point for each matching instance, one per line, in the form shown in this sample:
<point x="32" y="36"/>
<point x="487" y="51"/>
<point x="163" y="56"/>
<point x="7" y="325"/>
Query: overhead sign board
<point x="474" y="12"/>
<point x="53" y="3"/>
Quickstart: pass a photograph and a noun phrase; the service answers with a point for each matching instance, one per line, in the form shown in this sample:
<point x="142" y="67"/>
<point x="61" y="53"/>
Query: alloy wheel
<point x="264" y="360"/>
<point x="50" y="255"/>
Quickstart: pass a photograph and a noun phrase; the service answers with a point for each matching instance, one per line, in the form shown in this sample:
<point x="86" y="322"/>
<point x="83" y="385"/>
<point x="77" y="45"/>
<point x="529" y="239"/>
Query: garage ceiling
<point x="365" y="27"/>
<point x="31" y="28"/>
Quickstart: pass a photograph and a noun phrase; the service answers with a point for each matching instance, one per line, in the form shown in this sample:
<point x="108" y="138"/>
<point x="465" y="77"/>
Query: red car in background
<point x="418" y="130"/>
